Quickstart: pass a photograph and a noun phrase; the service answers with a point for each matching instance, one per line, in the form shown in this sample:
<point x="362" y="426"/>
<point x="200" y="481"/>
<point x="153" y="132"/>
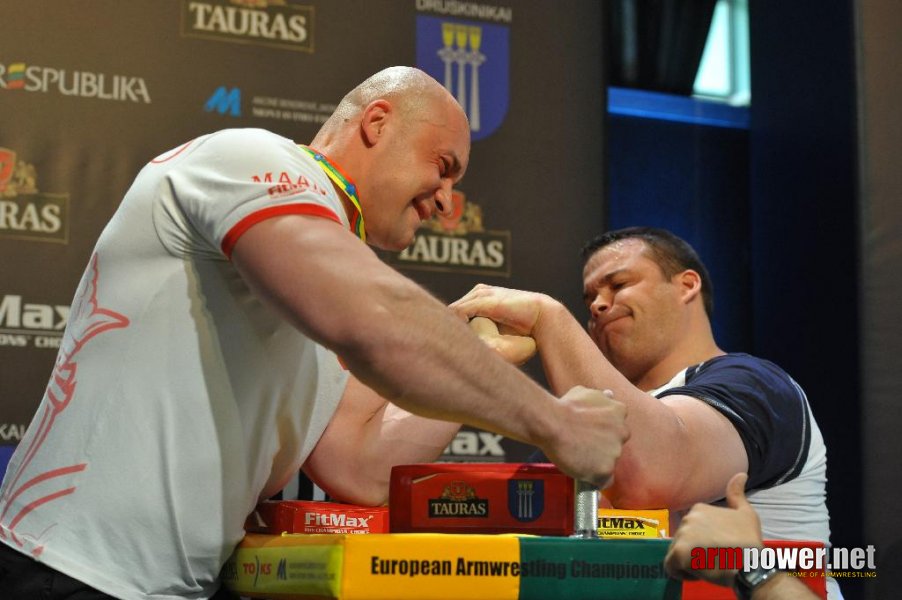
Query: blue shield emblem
<point x="471" y="59"/>
<point x="526" y="499"/>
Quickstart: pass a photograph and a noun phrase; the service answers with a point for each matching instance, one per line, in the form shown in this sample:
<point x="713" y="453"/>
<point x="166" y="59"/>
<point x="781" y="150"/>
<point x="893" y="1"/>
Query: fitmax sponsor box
<point x="310" y="516"/>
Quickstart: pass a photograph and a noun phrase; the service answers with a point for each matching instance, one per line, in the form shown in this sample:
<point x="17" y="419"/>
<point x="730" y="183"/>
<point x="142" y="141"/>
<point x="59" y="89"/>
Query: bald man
<point x="199" y="369"/>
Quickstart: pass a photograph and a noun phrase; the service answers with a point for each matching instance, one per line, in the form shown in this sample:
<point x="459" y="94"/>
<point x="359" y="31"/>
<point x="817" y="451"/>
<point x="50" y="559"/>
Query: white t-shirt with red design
<point x="178" y="400"/>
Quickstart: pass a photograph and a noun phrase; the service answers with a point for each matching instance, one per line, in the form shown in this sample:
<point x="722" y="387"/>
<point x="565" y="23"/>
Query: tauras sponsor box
<point x="481" y="498"/>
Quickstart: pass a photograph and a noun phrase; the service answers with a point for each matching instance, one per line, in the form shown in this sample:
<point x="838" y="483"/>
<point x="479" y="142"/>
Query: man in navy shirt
<point x="697" y="414"/>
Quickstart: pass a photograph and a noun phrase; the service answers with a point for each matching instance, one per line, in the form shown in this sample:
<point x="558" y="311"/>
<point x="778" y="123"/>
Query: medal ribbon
<point x="345" y="184"/>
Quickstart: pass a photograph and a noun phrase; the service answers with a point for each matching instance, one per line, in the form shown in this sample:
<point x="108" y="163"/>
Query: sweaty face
<point x="635" y="312"/>
<point x="421" y="158"/>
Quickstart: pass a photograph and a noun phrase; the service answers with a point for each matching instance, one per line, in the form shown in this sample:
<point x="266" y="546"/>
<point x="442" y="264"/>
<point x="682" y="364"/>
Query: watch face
<point x="747" y="581"/>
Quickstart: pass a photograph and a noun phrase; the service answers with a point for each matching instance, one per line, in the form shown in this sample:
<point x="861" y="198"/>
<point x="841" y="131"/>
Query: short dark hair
<point x="670" y="252"/>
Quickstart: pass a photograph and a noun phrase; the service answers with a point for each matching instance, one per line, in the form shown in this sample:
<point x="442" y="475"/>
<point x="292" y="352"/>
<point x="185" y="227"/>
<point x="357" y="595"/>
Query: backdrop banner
<point x="91" y="91"/>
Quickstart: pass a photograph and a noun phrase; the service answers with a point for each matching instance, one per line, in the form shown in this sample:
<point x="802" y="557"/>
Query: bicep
<point x="336" y="460"/>
<point x="714" y="451"/>
<point x="312" y="271"/>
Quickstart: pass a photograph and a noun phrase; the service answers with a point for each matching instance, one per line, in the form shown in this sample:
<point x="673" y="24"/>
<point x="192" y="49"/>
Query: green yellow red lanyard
<point x="345" y="184"/>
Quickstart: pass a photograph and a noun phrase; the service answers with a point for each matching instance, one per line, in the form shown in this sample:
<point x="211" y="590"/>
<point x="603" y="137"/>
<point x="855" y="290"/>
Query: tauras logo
<point x="457" y="243"/>
<point x="85" y="84"/>
<point x="24" y="212"/>
<point x="17" y="316"/>
<point x="458" y="500"/>
<point x="278" y="23"/>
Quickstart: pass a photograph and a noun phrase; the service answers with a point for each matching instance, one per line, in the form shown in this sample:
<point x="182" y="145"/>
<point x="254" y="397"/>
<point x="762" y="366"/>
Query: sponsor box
<point x="621" y="523"/>
<point x="297" y="516"/>
<point x="481" y="498"/>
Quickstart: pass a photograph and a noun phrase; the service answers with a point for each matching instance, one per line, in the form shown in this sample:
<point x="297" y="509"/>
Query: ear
<point x="690" y="284"/>
<point x="376" y="116"/>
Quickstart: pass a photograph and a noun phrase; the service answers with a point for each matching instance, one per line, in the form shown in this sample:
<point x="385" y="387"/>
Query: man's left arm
<point x="366" y="437"/>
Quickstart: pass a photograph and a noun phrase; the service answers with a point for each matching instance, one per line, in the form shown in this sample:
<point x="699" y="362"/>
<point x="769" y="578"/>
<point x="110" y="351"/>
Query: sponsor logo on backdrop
<point x="526" y="499"/>
<point x="11" y="432"/>
<point x="25" y="212"/>
<point x="471" y="59"/>
<point x="472" y="10"/>
<point x="458" y="243"/>
<point x="289" y="109"/>
<point x="458" y="500"/>
<point x="227" y="101"/>
<point x="281" y="24"/>
<point x="69" y="82"/>
<point x="475" y="446"/>
<point x="25" y="323"/>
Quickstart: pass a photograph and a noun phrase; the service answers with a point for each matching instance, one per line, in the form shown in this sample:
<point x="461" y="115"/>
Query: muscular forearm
<point x="663" y="463"/>
<point x="393" y="335"/>
<point x="437" y="368"/>
<point x="570" y="357"/>
<point x="407" y="346"/>
<point x="442" y="370"/>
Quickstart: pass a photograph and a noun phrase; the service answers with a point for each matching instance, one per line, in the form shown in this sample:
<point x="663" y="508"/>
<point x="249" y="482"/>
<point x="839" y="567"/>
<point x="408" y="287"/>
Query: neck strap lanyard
<point x="345" y="184"/>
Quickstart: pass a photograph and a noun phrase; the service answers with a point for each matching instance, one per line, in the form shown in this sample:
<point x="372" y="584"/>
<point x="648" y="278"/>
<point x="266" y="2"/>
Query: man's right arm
<point x="668" y="460"/>
<point x="735" y="526"/>
<point x="406" y="345"/>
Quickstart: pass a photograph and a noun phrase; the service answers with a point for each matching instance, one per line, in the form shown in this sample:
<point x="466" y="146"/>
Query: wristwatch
<point x="747" y="582"/>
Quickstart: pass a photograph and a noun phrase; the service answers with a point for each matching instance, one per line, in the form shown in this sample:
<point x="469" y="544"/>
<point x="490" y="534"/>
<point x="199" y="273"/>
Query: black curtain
<point x="657" y="45"/>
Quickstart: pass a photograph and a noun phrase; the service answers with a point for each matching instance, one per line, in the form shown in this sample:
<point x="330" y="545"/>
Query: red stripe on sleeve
<point x="313" y="210"/>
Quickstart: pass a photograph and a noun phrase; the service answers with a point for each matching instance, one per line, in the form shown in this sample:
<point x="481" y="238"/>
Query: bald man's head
<point x="411" y="91"/>
<point x="405" y="141"/>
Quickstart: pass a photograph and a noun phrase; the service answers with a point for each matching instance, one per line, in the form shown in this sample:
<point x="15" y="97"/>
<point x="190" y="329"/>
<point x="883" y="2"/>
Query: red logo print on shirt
<point x="288" y="185"/>
<point x="87" y="320"/>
